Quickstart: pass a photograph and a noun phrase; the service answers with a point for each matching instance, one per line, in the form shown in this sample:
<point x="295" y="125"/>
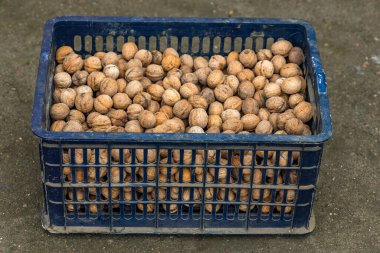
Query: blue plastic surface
<point x="212" y="36"/>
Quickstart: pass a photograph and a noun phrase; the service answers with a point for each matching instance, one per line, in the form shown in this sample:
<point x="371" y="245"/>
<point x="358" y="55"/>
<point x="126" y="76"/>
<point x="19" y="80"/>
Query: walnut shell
<point x="171" y="82"/>
<point x="264" y="68"/>
<point x="200" y="62"/>
<point x="174" y="72"/>
<point x="232" y="56"/>
<point x="134" y="111"/>
<point x="264" y="54"/>
<point x="278" y="62"/>
<point x="222" y="92"/>
<point x="198" y="117"/>
<point x="264" y="114"/>
<point x="245" y="75"/>
<point x="294" y="126"/>
<point x="92" y="64"/>
<point x="59" y="68"/>
<point x="171" y="96"/>
<point x="108" y="86"/>
<point x="80" y="78"/>
<point x="233" y="82"/>
<point x="215" y="108"/>
<point x="62" y="80"/>
<point x="264" y="127"/>
<point x="170" y="62"/>
<point x="197" y="101"/>
<point x="143" y="99"/>
<point x="160" y="118"/>
<point x="144" y="56"/>
<point x="187" y="60"/>
<point x="295" y="99"/>
<point x="281" y="47"/>
<point x="100" y="123"/>
<point x="133" y="88"/>
<point x="233" y="103"/>
<point x="111" y="71"/>
<point x="182" y="109"/>
<point x="147" y="119"/>
<point x="84" y="102"/>
<point x="118" y="117"/>
<point x="62" y="52"/>
<point x="154" y="72"/>
<point x="233" y="124"/>
<point x="250" y="121"/>
<point x="76" y="115"/>
<point x="214" y="121"/>
<point x="122" y="66"/>
<point x="73" y="126"/>
<point x="68" y="97"/>
<point x="234" y="67"/>
<point x="133" y="126"/>
<point x="156" y="57"/>
<point x="276" y="104"/>
<point x="59" y="111"/>
<point x="208" y="95"/>
<point x="189" y="78"/>
<point x="129" y="50"/>
<point x="156" y="91"/>
<point x="304" y="111"/>
<point x="109" y="58"/>
<point x="57" y="126"/>
<point x="283" y="118"/>
<point x="217" y="62"/>
<point x="259" y="82"/>
<point x="230" y="114"/>
<point x="291" y="85"/>
<point x="250" y="106"/>
<point x="290" y="69"/>
<point x="272" y="90"/>
<point x="94" y="80"/>
<point x="188" y="89"/>
<point x="214" y="78"/>
<point x="134" y="63"/>
<point x="134" y="73"/>
<point x="103" y="103"/>
<point x="168" y="110"/>
<point x="246" y="89"/>
<point x="248" y="58"/>
<point x="273" y="118"/>
<point x="202" y="74"/>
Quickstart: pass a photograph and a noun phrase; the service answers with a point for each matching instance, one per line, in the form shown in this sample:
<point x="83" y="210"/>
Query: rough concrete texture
<point x="347" y="204"/>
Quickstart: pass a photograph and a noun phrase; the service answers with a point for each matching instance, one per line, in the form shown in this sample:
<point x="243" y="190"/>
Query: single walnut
<point x="260" y="97"/>
<point x="250" y="106"/>
<point x="230" y="114"/>
<point x="160" y="118"/>
<point x="171" y="82"/>
<point x="295" y="99"/>
<point x="197" y="101"/>
<point x="198" y="117"/>
<point x="122" y="66"/>
<point x="187" y="60"/>
<point x="100" y="55"/>
<point x="217" y="62"/>
<point x="232" y="56"/>
<point x="80" y="78"/>
<point x="264" y="54"/>
<point x="174" y="72"/>
<point x="306" y="130"/>
<point x="233" y="82"/>
<point x="250" y="121"/>
<point x="171" y="51"/>
<point x="92" y="64"/>
<point x="233" y="124"/>
<point x="144" y="56"/>
<point x="291" y="85"/>
<point x="153" y="106"/>
<point x="156" y="91"/>
<point x="108" y="86"/>
<point x="94" y="80"/>
<point x="215" y="108"/>
<point x="170" y="62"/>
<point x="121" y="101"/>
<point x="272" y="90"/>
<point x="84" y="102"/>
<point x="304" y="111"/>
<point x="68" y="97"/>
<point x="62" y="52"/>
<point x="214" y="78"/>
<point x="189" y="78"/>
<point x="186" y="69"/>
<point x="90" y="117"/>
<point x="100" y="123"/>
<point x="290" y="69"/>
<point x="278" y="62"/>
<point x="134" y="63"/>
<point x="133" y="126"/>
<point x="134" y="73"/>
<point x="134" y="111"/>
<point x="76" y="115"/>
<point x="133" y="88"/>
<point x="213" y="130"/>
<point x="281" y="47"/>
<point x="168" y="110"/>
<point x="188" y="89"/>
<point x="214" y="121"/>
<point x="248" y="58"/>
<point x="276" y="104"/>
<point x="246" y="90"/>
<point x="59" y="111"/>
<point x="156" y="57"/>
<point x="57" y="126"/>
<point x="202" y="75"/>
<point x="103" y="103"/>
<point x="234" y="67"/>
<point x="264" y="114"/>
<point x="233" y="103"/>
<point x="264" y="127"/>
<point x="171" y="96"/>
<point x="200" y="62"/>
<point x="147" y="119"/>
<point x="264" y="68"/>
<point x="283" y="118"/>
<point x="208" y="95"/>
<point x="73" y="126"/>
<point x="259" y="82"/>
<point x="294" y="126"/>
<point x="59" y="68"/>
<point x="143" y="99"/>
<point x="62" y="80"/>
<point x="110" y="58"/>
<point x="154" y="72"/>
<point x="274" y="78"/>
<point x="129" y="50"/>
<point x="222" y="92"/>
<point x="111" y="71"/>
<point x="245" y="75"/>
<point x="182" y="109"/>
<point x="118" y="117"/>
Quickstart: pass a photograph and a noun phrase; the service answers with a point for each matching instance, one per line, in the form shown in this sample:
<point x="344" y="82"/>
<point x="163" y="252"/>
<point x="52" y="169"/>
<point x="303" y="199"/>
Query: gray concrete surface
<point x="347" y="205"/>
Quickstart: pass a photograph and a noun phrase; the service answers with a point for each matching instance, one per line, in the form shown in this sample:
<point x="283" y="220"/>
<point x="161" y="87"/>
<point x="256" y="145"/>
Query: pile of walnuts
<point x="164" y="92"/>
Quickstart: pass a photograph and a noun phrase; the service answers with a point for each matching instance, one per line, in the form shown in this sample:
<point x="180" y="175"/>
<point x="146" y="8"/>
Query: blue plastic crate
<point x="270" y="211"/>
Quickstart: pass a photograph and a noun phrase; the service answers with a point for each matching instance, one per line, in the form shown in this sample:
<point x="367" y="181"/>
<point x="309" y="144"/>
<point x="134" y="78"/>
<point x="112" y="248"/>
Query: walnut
<point x="62" y="80"/>
<point x="109" y="58"/>
<point x="154" y="72"/>
<point x="118" y="118"/>
<point x="160" y="118"/>
<point x="233" y="124"/>
<point x="264" y="127"/>
<point x="246" y="90"/>
<point x="171" y="82"/>
<point x="272" y="90"/>
<point x="59" y="68"/>
<point x="264" y="68"/>
<point x="259" y="82"/>
<point x="134" y="111"/>
<point x="304" y="111"/>
<point x="276" y="104"/>
<point x="108" y="86"/>
<point x="129" y="50"/>
<point x="68" y="97"/>
<point x="103" y="103"/>
<point x="233" y="103"/>
<point x="264" y="54"/>
<point x="278" y="62"/>
<point x="200" y="62"/>
<point x="59" y="111"/>
<point x="222" y="92"/>
<point x="121" y="101"/>
<point x="294" y="126"/>
<point x="273" y="118"/>
<point x="232" y="56"/>
<point x="79" y="78"/>
<point x="260" y="97"/>
<point x="250" y="121"/>
<point x="76" y="115"/>
<point x="290" y="69"/>
<point x="214" y="121"/>
<point x="92" y="64"/>
<point x="147" y="119"/>
<point x="156" y="57"/>
<point x="250" y="106"/>
<point x="291" y="85"/>
<point x="248" y="58"/>
<point x="230" y="114"/>
<point x="202" y="75"/>
<point x="198" y="117"/>
<point x="84" y="102"/>
<point x="188" y="89"/>
<point x="133" y="126"/>
<point x="153" y="106"/>
<point x="195" y="130"/>
<point x="217" y="62"/>
<point x="143" y="99"/>
<point x="144" y="56"/>
<point x="233" y="82"/>
<point x="171" y="51"/>
<point x="281" y="47"/>
<point x="215" y="108"/>
<point x="245" y="75"/>
<point x="122" y="66"/>
<point x="111" y="71"/>
<point x="133" y="88"/>
<point x="197" y="101"/>
<point x="234" y="67"/>
<point x="134" y="63"/>
<point x="214" y="78"/>
<point x="295" y="99"/>
<point x="187" y="60"/>
<point x="283" y="118"/>
<point x="134" y="73"/>
<point x="264" y="114"/>
<point x="100" y="123"/>
<point x="57" y="126"/>
<point x="94" y="80"/>
<point x="170" y="62"/>
<point x="62" y="52"/>
<point x="168" y="110"/>
<point x="171" y="96"/>
<point x="189" y="78"/>
<point x="182" y="109"/>
<point x="73" y="126"/>
<point x="174" y="72"/>
<point x="100" y="55"/>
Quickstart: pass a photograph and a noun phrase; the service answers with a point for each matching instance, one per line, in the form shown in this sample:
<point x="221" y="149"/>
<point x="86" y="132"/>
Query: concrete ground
<point x="347" y="207"/>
